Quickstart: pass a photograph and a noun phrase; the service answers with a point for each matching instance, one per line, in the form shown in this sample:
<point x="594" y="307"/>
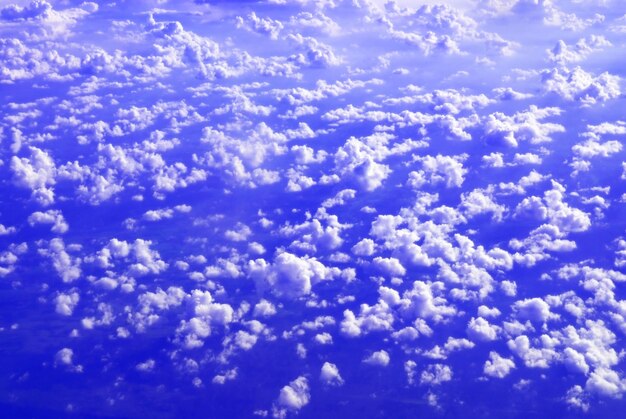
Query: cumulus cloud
<point x="330" y="375"/>
<point x="379" y="358"/>
<point x="289" y="276"/>
<point x="436" y="374"/>
<point x="65" y="303"/>
<point x="497" y="366"/>
<point x="581" y="86"/>
<point x="293" y="397"/>
<point x="54" y="217"/>
<point x="64" y="358"/>
<point x="36" y="173"/>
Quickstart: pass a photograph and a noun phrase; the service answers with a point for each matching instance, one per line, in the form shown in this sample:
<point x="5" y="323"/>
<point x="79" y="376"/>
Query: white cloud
<point x="146" y="366"/>
<point x="294" y="396"/>
<point x="36" y="173"/>
<point x="481" y="330"/>
<point x="605" y="382"/>
<point x="581" y="86"/>
<point x="389" y="266"/>
<point x="379" y="358"/>
<point x="497" y="366"/>
<point x="289" y="276"/>
<point x="436" y="374"/>
<point x="330" y="376"/>
<point x="439" y="169"/>
<point x="67" y="267"/>
<point x="534" y="309"/>
<point x="553" y="208"/>
<point x="54" y="217"/>
<point x="64" y="358"/>
<point x="66" y="303"/>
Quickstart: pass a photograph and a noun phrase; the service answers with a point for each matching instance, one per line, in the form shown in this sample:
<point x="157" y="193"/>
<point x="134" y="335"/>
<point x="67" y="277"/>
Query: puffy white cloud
<point x="146" y="366"/>
<point x="389" y="266"/>
<point x="479" y="202"/>
<point x="67" y="267"/>
<point x="4" y="230"/>
<point x="264" y="308"/>
<point x="425" y="300"/>
<point x="436" y="374"/>
<point x="480" y="329"/>
<point x="534" y="357"/>
<point x="264" y="26"/>
<point x="564" y="54"/>
<point x="158" y="215"/>
<point x="546" y="237"/>
<point x="484" y="311"/>
<point x="289" y="276"/>
<point x="371" y="318"/>
<point x="150" y="303"/>
<point x="439" y="169"/>
<point x="592" y="148"/>
<point x="306" y="155"/>
<point x="523" y="126"/>
<point x="241" y="232"/>
<point x="294" y="396"/>
<point x="497" y="366"/>
<point x="360" y="158"/>
<point x="226" y="376"/>
<point x="575" y="361"/>
<point x="329" y="375"/>
<point x="534" y="309"/>
<point x="207" y="314"/>
<point x="64" y="358"/>
<point x="148" y="261"/>
<point x="324" y="338"/>
<point x="54" y="217"/>
<point x="451" y="345"/>
<point x="339" y="199"/>
<point x="581" y="86"/>
<point x="365" y="247"/>
<point x="65" y="303"/>
<point x="314" y="53"/>
<point x="553" y="208"/>
<point x="575" y="397"/>
<point x="36" y="173"/>
<point x="379" y="358"/>
<point x="35" y="10"/>
<point x="605" y="382"/>
<point x="509" y="288"/>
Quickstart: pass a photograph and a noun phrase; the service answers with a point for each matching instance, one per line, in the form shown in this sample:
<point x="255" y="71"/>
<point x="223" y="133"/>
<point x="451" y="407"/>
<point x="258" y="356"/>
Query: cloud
<point x="481" y="330"/>
<point x="36" y="9"/>
<point x="564" y="54"/>
<point x="330" y="376"/>
<point x="436" y="374"/>
<point x="293" y="397"/>
<point x="581" y="86"/>
<point x="289" y="276"/>
<point x="64" y="358"/>
<point x="534" y="309"/>
<point x="36" y="173"/>
<point x="66" y="303"/>
<point x="54" y="217"/>
<point x="439" y="169"/>
<point x="66" y="266"/>
<point x="497" y="366"/>
<point x="379" y="358"/>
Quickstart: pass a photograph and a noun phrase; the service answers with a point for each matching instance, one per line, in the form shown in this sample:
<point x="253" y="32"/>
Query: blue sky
<point x="312" y="208"/>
